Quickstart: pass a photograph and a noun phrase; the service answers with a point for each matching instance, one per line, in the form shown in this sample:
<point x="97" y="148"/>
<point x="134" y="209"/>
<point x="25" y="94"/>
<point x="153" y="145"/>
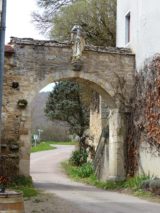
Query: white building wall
<point x="145" y="27"/>
<point x="144" y="42"/>
<point x="149" y="160"/>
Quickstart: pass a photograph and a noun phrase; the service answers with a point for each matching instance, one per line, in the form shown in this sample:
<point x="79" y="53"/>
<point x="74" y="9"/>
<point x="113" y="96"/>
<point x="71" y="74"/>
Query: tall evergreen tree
<point x="65" y="103"/>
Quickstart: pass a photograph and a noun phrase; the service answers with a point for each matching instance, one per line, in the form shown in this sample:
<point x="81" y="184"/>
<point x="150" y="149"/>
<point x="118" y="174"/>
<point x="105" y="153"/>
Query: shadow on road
<point x="57" y="186"/>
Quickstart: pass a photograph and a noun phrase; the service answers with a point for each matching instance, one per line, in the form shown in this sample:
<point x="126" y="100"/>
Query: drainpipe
<point x="2" y="46"/>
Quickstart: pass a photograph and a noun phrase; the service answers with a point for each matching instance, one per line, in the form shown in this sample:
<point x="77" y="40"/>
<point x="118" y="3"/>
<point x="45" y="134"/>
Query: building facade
<point x="139" y="20"/>
<point x="138" y="29"/>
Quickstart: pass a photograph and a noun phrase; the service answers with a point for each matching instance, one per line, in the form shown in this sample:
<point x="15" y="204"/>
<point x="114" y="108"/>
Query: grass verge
<point x="61" y="142"/>
<point x="43" y="146"/>
<point x="46" y="145"/>
<point x="24" y="185"/>
<point x="129" y="186"/>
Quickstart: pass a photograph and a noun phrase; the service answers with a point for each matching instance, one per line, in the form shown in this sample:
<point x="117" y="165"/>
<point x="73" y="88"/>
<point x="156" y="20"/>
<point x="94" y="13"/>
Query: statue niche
<point x="78" y="44"/>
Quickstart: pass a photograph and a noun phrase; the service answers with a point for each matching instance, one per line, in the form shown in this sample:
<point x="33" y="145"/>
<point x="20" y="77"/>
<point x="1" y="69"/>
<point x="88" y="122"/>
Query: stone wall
<point x="99" y="112"/>
<point x="95" y="118"/>
<point x="107" y="126"/>
<point x="99" y="130"/>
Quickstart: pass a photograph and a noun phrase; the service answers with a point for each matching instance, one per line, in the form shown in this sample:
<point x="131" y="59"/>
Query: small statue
<point x="78" y="41"/>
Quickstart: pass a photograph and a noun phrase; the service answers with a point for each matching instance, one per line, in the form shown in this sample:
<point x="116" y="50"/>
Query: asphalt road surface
<point x="48" y="175"/>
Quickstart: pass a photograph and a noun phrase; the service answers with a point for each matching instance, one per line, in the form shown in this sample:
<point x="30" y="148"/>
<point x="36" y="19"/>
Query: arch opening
<point x="105" y="98"/>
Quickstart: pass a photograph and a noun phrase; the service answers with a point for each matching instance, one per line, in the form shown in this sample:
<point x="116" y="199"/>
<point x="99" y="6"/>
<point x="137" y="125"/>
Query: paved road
<point x="48" y="175"/>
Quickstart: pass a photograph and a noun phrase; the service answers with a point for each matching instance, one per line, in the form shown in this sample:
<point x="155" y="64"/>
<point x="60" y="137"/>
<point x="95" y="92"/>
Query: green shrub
<point x="86" y="170"/>
<point x="79" y="157"/>
<point x="145" y="184"/>
<point x="86" y="174"/>
<point x="21" y="181"/>
<point x="111" y="185"/>
<point x="135" y="182"/>
<point x="24" y="185"/>
<point x="152" y="185"/>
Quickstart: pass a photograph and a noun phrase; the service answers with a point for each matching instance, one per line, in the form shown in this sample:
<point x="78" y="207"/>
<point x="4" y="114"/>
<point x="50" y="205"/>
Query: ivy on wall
<point x="152" y="103"/>
<point x="144" y="121"/>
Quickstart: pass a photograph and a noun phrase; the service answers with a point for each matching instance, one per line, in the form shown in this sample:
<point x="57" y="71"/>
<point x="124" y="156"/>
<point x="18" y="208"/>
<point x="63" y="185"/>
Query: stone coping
<point x="67" y="44"/>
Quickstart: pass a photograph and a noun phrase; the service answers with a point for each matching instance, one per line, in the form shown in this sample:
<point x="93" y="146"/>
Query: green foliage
<point x="152" y="185"/>
<point x="155" y="184"/>
<point x="144" y="194"/>
<point x="80" y="173"/>
<point x="98" y="19"/>
<point x="110" y="185"/>
<point x="145" y="184"/>
<point x="43" y="146"/>
<point x="21" y="180"/>
<point x="65" y="104"/>
<point x="24" y="185"/>
<point x="135" y="182"/>
<point x="27" y="191"/>
<point x="85" y="174"/>
<point x="61" y="142"/>
<point x="79" y="157"/>
<point x="46" y="145"/>
<point x="86" y="170"/>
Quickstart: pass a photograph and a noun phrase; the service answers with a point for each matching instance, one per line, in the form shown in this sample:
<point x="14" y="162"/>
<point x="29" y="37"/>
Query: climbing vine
<point x="152" y="104"/>
<point x="144" y="121"/>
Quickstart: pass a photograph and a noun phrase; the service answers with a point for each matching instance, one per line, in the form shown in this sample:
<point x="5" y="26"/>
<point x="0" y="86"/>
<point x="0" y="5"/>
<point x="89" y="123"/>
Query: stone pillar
<point x="25" y="141"/>
<point x="117" y="145"/>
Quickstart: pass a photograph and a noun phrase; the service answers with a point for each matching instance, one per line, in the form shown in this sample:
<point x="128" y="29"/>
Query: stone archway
<point x="32" y="64"/>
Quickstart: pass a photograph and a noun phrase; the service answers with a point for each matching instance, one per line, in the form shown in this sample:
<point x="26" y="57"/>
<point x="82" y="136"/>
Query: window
<point x="127" y="28"/>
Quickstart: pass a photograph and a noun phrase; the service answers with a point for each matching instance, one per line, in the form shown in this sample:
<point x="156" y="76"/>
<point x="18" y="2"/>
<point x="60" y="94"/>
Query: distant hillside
<point x="56" y="130"/>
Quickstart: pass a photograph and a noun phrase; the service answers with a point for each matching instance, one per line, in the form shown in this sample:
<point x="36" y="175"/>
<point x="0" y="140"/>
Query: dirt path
<point x="68" y="196"/>
<point x="49" y="203"/>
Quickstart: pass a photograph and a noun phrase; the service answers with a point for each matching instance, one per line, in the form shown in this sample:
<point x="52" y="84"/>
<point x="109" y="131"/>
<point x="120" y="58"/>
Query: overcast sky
<point x="19" y="23"/>
<point x="18" y="19"/>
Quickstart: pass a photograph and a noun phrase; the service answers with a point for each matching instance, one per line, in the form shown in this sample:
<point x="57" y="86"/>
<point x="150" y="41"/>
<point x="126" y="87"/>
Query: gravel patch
<point x="49" y="203"/>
